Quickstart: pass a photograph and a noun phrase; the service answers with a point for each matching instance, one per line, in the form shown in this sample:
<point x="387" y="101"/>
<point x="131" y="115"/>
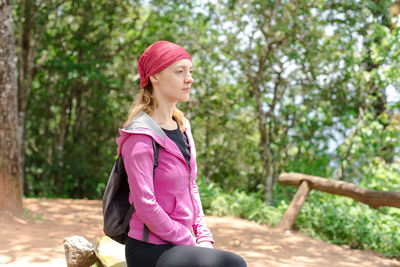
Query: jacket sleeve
<point x="200" y="228"/>
<point x="137" y="152"/>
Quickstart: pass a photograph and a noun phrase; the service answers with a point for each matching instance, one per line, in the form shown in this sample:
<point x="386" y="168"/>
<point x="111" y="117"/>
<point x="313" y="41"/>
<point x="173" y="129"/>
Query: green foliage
<point x="238" y="204"/>
<point x="341" y="220"/>
<point x="335" y="219"/>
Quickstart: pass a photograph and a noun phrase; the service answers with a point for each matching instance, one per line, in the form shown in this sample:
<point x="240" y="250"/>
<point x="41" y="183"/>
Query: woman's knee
<point x="183" y="256"/>
<point x="234" y="260"/>
<point x="220" y="258"/>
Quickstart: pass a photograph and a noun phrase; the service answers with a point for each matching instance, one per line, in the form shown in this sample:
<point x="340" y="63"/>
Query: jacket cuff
<point x="205" y="239"/>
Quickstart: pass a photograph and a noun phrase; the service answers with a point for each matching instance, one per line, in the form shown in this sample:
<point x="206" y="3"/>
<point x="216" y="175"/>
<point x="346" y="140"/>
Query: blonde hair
<point x="145" y="101"/>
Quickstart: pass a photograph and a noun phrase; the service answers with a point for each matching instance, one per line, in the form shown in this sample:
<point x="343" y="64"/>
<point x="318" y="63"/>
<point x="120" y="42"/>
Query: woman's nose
<point x="189" y="78"/>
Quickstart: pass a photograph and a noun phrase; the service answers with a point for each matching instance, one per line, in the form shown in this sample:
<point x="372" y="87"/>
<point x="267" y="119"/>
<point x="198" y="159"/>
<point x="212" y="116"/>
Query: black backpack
<point x="117" y="210"/>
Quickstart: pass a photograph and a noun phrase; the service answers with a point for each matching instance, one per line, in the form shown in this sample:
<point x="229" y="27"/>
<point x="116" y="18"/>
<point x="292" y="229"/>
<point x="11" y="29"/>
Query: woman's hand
<point x="205" y="244"/>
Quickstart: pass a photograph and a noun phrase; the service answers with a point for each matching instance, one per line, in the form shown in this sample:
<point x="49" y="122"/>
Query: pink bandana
<point x="157" y="57"/>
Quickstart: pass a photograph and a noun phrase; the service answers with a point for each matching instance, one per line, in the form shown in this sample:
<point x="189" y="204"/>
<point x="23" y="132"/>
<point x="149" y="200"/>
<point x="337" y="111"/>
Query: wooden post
<point x="294" y="208"/>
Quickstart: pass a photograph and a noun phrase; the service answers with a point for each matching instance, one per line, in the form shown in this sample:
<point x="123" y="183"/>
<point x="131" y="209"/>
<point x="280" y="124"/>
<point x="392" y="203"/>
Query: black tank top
<point x="180" y="139"/>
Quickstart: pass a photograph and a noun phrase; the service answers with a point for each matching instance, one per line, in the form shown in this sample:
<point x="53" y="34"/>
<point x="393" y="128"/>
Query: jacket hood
<point x="141" y="124"/>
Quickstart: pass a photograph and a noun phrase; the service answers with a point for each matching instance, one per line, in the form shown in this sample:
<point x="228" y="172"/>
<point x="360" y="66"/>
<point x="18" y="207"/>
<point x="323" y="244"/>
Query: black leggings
<point x="142" y="254"/>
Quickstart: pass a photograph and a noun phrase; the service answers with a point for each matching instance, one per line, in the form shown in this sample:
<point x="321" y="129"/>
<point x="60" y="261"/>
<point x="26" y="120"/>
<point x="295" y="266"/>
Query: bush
<point x="239" y="204"/>
<point x="334" y="219"/>
<point x="342" y="220"/>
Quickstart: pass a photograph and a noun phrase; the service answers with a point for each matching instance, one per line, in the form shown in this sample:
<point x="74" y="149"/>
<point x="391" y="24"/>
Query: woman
<point x="168" y="226"/>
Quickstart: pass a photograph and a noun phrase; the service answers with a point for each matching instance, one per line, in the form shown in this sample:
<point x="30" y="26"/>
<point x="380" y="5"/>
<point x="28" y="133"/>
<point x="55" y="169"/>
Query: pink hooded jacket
<point x="170" y="205"/>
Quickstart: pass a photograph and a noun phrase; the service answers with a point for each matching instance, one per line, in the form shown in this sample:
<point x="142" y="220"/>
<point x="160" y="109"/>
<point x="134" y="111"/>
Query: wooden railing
<point x="306" y="182"/>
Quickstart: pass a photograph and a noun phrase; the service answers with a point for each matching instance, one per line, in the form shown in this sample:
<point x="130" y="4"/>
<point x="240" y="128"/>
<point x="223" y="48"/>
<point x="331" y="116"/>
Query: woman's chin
<point x="184" y="99"/>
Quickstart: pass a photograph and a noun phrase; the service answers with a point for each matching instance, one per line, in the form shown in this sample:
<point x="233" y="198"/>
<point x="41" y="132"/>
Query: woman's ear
<point x="154" y="78"/>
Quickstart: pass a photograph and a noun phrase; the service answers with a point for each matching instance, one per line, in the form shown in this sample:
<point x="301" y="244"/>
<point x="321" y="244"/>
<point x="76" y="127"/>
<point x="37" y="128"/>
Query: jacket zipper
<point x="190" y="178"/>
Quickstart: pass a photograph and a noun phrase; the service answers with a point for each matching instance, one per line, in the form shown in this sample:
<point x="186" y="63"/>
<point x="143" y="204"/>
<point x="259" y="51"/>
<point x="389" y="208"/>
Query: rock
<point x="79" y="252"/>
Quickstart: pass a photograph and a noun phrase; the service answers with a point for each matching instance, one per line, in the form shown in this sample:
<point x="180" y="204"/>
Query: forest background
<point x="294" y="86"/>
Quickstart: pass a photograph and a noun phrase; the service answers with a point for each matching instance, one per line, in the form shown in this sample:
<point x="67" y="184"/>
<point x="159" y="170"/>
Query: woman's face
<point x="173" y="83"/>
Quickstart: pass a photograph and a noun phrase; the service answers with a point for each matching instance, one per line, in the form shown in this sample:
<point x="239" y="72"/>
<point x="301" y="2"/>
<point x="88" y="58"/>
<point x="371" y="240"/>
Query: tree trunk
<point x="10" y="171"/>
<point x="262" y="124"/>
<point x="25" y="71"/>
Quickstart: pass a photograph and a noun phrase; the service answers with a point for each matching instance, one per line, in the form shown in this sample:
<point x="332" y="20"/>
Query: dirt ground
<point x="36" y="238"/>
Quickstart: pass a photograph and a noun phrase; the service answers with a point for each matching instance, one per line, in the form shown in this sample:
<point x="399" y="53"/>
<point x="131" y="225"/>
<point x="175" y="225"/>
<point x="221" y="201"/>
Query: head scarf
<point x="157" y="57"/>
